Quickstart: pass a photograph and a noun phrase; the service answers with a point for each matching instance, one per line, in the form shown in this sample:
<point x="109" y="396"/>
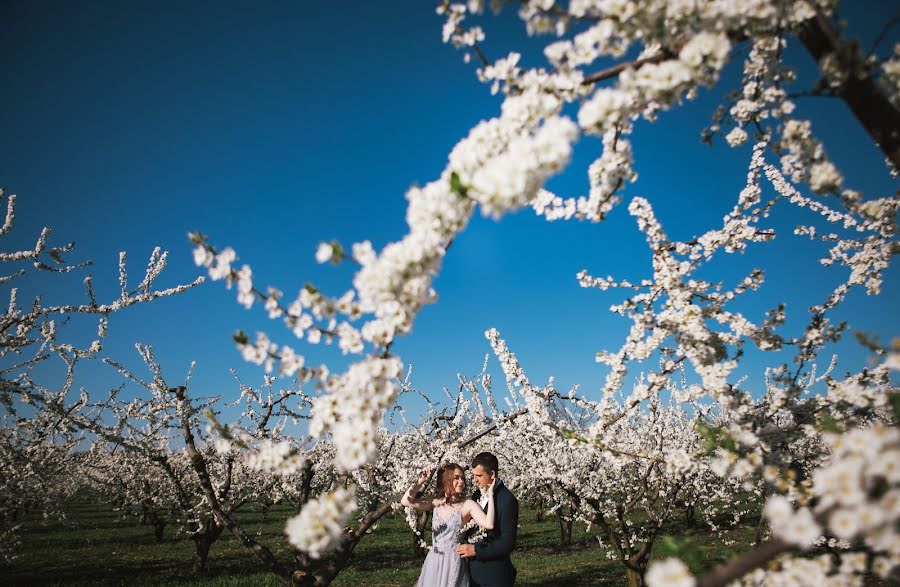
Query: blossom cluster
<point x="279" y="457"/>
<point x="677" y="316"/>
<point x="321" y="522"/>
<point x="353" y="406"/>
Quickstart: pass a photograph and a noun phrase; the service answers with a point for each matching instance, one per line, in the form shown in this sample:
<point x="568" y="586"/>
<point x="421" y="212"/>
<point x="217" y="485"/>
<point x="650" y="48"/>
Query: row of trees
<point x="820" y="450"/>
<point x="157" y="457"/>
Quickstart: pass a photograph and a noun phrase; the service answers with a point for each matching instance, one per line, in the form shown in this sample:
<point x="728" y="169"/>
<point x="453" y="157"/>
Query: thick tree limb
<point x="870" y="106"/>
<point x="490" y="428"/>
<point x="199" y="465"/>
<point x="611" y="72"/>
<point x="740" y="566"/>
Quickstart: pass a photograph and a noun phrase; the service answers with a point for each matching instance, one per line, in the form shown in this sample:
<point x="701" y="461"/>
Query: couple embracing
<point x="458" y="559"/>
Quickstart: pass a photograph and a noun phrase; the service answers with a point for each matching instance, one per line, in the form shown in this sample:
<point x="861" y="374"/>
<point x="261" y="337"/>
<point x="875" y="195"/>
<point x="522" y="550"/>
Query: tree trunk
<point x="203" y="542"/>
<point x="690" y="516"/>
<point x="201" y="554"/>
<point x="421" y="525"/>
<point x="635" y="566"/>
<point x="565" y="530"/>
<point x="158" y="527"/>
<point x="633" y="578"/>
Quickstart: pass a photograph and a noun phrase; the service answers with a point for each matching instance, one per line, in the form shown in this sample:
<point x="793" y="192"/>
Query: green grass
<point x="98" y="547"/>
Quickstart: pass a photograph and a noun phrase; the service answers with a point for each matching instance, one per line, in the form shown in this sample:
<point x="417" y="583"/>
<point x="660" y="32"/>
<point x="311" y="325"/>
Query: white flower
<point x="245" y="297"/>
<point x="706" y="49"/>
<point x="222" y="445"/>
<point x="670" y="572"/>
<point x="844" y="523"/>
<point x="324" y="253"/>
<point x="353" y="406"/>
<point x="203" y="257"/>
<point x="363" y="253"/>
<point x="887" y="465"/>
<point x="893" y="361"/>
<point x="778" y="509"/>
<point x="824" y="177"/>
<point x="355" y="444"/>
<point x="321" y="522"/>
<point x="797" y="527"/>
<point x="736" y="137"/>
<point x="606" y="108"/>
<point x="277" y="457"/>
<point x="290" y="362"/>
<point x="222" y="267"/>
<point x="801" y="529"/>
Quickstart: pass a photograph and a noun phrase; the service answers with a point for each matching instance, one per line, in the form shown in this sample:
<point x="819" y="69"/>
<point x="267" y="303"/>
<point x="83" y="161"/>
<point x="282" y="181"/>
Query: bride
<point x="452" y="511"/>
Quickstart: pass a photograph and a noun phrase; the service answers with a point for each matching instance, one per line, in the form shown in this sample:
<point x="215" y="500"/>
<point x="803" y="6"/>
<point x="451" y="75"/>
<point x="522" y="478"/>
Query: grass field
<point x="98" y="547"/>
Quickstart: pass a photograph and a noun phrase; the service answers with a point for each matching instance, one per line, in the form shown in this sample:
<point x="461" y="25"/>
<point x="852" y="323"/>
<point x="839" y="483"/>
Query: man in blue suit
<point x="489" y="564"/>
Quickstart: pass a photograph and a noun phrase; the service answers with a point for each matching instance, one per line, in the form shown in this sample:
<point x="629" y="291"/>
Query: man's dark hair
<point x="487" y="460"/>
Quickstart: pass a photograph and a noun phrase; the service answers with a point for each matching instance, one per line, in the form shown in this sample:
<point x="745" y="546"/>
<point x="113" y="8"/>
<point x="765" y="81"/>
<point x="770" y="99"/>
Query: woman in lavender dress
<point x="451" y="512"/>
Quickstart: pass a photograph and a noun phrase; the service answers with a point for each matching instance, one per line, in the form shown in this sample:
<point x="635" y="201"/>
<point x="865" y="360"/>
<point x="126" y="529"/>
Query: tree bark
<point x="565" y="530"/>
<point x="348" y="542"/>
<point x="634" y="578"/>
<point x="225" y="520"/>
<point x="203" y="542"/>
<point x="159" y="526"/>
<point x="740" y="566"/>
<point x="690" y="516"/>
<point x="870" y="106"/>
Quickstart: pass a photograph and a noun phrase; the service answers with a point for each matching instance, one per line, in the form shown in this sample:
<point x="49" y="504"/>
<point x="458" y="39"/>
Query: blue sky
<point x="273" y="126"/>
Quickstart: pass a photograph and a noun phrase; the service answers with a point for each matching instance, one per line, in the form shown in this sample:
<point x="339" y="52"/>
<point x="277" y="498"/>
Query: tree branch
<point x="199" y="465"/>
<point x="611" y="72"/>
<point x="870" y="106"/>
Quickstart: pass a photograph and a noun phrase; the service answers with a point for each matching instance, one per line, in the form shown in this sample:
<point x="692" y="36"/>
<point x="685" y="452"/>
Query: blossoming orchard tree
<point x="662" y="54"/>
<point x="131" y="487"/>
<point x="153" y="457"/>
<point x="152" y="454"/>
<point x="156" y="456"/>
<point x="337" y="508"/>
<point x="36" y="462"/>
<point x="38" y="438"/>
<point x="631" y="482"/>
<point x="628" y="485"/>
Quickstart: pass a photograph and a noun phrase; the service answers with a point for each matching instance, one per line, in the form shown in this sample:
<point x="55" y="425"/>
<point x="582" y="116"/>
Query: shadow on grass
<point x="103" y="548"/>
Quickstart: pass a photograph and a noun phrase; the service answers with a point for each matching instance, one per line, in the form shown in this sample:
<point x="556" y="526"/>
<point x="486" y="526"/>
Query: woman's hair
<point x="444" y="483"/>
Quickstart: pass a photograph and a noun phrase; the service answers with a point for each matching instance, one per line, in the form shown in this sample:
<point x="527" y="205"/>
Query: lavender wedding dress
<point x="443" y="567"/>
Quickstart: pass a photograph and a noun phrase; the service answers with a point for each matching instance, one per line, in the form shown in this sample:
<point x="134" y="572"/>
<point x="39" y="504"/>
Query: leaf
<point x="828" y="424"/>
<point x="869" y="341"/>
<point x="680" y="548"/>
<point x="456" y="185"/>
<point x="894" y="399"/>
<point x="337" y="252"/>
<point x="728" y="442"/>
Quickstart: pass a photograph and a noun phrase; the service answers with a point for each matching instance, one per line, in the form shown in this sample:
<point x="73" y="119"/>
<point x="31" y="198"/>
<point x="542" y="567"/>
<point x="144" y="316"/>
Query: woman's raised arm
<point x="409" y="500"/>
<point x="482" y="518"/>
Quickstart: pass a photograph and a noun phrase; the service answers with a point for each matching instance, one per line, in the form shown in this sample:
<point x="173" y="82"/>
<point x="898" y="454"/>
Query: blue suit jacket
<point x="491" y="564"/>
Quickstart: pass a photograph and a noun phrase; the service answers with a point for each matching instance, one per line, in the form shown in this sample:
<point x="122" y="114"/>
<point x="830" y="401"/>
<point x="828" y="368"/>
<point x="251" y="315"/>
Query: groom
<point x="489" y="564"/>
